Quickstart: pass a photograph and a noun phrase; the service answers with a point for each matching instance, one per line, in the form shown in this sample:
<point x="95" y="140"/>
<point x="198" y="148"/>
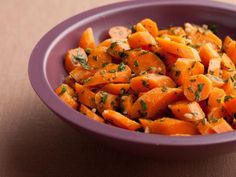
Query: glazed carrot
<point x="92" y="115"/>
<point x="216" y="113"/>
<point x="70" y="81"/>
<point x="214" y="66"/>
<point x="216" y="98"/>
<point x="205" y="128"/>
<point x="119" y="32"/>
<point x="106" y="43"/>
<point x="66" y="94"/>
<point x="144" y="61"/>
<point x="154" y="102"/>
<point x="120" y="120"/>
<point x="147" y="82"/>
<point x="141" y="39"/>
<point x="126" y="103"/>
<point x="231" y="51"/>
<point x="75" y="58"/>
<point x="207" y="52"/>
<point x="87" y="39"/>
<point x="116" y="89"/>
<point x="179" y="49"/>
<point x="81" y="74"/>
<point x="170" y="59"/>
<point x="118" y="49"/>
<point x="99" y="57"/>
<point x="216" y="81"/>
<point x="186" y="110"/>
<point x="151" y="26"/>
<point x="226" y="43"/>
<point x="184" y="68"/>
<point x="139" y="28"/>
<point x="111" y="73"/>
<point x="145" y="123"/>
<point x="220" y="126"/>
<point x="175" y="30"/>
<point x="229" y="104"/>
<point x="170" y="126"/>
<point x="106" y="100"/>
<point x="227" y="63"/>
<point x="197" y="87"/>
<point x="230" y="82"/>
<point x="85" y="96"/>
<point x="174" y="38"/>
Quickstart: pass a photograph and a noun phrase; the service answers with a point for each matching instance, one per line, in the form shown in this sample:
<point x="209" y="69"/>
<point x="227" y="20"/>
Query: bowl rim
<point x="39" y="82"/>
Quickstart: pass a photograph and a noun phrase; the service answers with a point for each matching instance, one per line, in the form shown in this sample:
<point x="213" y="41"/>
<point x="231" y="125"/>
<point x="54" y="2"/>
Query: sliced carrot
<point x="87" y="39"/>
<point x="179" y="49"/>
<point x="85" y="96"/>
<point x="226" y="43"/>
<point x="175" y="30"/>
<point x="170" y="59"/>
<point x="227" y="62"/>
<point x="186" y="110"/>
<point x="215" y="113"/>
<point x="207" y="52"/>
<point x="118" y="49"/>
<point x="221" y="126"/>
<point x="151" y="26"/>
<point x="184" y="68"/>
<point x="119" y="32"/>
<point x="229" y="105"/>
<point x="154" y="102"/>
<point x="144" y="61"/>
<point x="80" y="74"/>
<point x="126" y="103"/>
<point x="116" y="89"/>
<point x="197" y="87"/>
<point x="68" y="99"/>
<point x="74" y="58"/>
<point x="141" y="39"/>
<point x="216" y="98"/>
<point x="231" y="51"/>
<point x="139" y="28"/>
<point x="111" y="73"/>
<point x="70" y="81"/>
<point x="170" y="126"/>
<point x="65" y="88"/>
<point x="99" y="57"/>
<point x="120" y="120"/>
<point x="216" y="81"/>
<point x="92" y="115"/>
<point x="205" y="128"/>
<point x="147" y="82"/>
<point x="106" y="100"/>
<point x="214" y="66"/>
<point x="174" y="38"/>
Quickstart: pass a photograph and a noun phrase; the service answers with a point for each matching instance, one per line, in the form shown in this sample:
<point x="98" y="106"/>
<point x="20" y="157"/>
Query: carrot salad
<point x="177" y="81"/>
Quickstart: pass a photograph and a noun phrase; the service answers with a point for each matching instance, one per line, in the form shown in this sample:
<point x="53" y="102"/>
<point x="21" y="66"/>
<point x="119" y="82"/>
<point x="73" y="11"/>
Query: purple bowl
<point x="46" y="71"/>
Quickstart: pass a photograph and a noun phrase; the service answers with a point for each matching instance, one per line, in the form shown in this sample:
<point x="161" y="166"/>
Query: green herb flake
<point x="204" y="121"/>
<point x="88" y="51"/>
<point x="104" y="64"/>
<point x="192" y="80"/>
<point x="122" y="91"/>
<point x="145" y="83"/>
<point x="227" y="98"/>
<point x="133" y="29"/>
<point x="104" y="97"/>
<point x="63" y="90"/>
<point x="123" y="54"/>
<point x="143" y="106"/>
<point x="136" y="63"/>
<point x="143" y="52"/>
<point x="213" y="120"/>
<point x="112" y="71"/>
<point x="121" y="67"/>
<point x="82" y="60"/>
<point x="113" y="45"/>
<point x="198" y="92"/>
<point x="190" y="89"/>
<point x="193" y="64"/>
<point x="218" y="100"/>
<point x="95" y="58"/>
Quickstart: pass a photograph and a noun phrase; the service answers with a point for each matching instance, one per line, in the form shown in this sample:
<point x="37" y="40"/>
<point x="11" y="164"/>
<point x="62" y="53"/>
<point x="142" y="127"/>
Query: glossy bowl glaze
<point x="46" y="71"/>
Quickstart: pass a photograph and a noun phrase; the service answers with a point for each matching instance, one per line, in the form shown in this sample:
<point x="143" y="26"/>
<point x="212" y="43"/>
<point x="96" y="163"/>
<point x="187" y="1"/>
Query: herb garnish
<point x="123" y="54"/>
<point x="104" y="97"/>
<point x="213" y="28"/>
<point x="145" y="83"/>
<point x="143" y="106"/>
<point x="227" y="98"/>
<point x="164" y="89"/>
<point x="121" y="67"/>
<point x="198" y="91"/>
<point x="136" y="63"/>
<point x="112" y="71"/>
<point x="63" y="90"/>
<point x="81" y="59"/>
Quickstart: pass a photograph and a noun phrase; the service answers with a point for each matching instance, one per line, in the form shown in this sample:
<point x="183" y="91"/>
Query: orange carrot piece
<point x="126" y="103"/>
<point x="92" y="115"/>
<point x="179" y="49"/>
<point x="170" y="126"/>
<point x="147" y="82"/>
<point x="154" y="102"/>
<point x="141" y="39"/>
<point x="111" y="73"/>
<point x="81" y="74"/>
<point x="139" y="27"/>
<point x="99" y="57"/>
<point x="227" y="62"/>
<point x="216" y="81"/>
<point x="106" y="100"/>
<point x="221" y="126"/>
<point x="184" y="68"/>
<point x="87" y="39"/>
<point x="64" y="88"/>
<point x="119" y="32"/>
<point x="197" y="87"/>
<point x="72" y="59"/>
<point x="151" y="26"/>
<point x="214" y="66"/>
<point x="120" y="120"/>
<point x="229" y="105"/>
<point x="188" y="111"/>
<point x="144" y="61"/>
<point x="205" y="128"/>
<point x="85" y="96"/>
<point x="118" y="49"/>
<point x="170" y="59"/>
<point x="216" y="98"/>
<point x="207" y="52"/>
<point x="116" y="89"/>
<point x="216" y="113"/>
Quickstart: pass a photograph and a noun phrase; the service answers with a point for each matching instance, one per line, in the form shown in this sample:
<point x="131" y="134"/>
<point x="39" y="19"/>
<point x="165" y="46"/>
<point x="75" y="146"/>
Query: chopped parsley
<point x="104" y="64"/>
<point x="136" y="63"/>
<point x="177" y="73"/>
<point x="123" y="54"/>
<point x="143" y="106"/>
<point x="145" y="83"/>
<point x="113" y="45"/>
<point x="88" y="51"/>
<point x="213" y="28"/>
<point x="122" y="91"/>
<point x="121" y="67"/>
<point x="104" y="97"/>
<point x="112" y="71"/>
<point x="227" y="98"/>
<point x="63" y="90"/>
<point x="193" y="64"/>
<point x="133" y="29"/>
<point x="164" y="89"/>
<point x="95" y="58"/>
<point x="198" y="91"/>
<point x="81" y="59"/>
